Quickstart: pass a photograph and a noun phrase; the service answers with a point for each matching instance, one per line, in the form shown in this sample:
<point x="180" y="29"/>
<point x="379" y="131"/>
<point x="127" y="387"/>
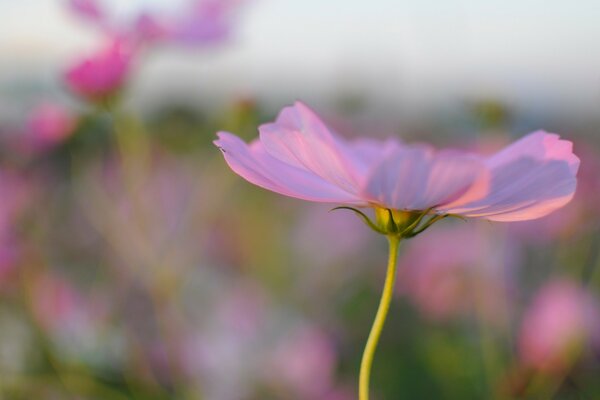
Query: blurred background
<point x="135" y="265"/>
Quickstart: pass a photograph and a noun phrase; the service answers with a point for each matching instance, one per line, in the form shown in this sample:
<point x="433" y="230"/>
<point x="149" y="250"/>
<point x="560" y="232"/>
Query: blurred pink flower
<point x="77" y="322"/>
<point x="561" y="320"/>
<point x="305" y="363"/>
<point x="17" y="194"/>
<point x="147" y="28"/>
<point x="205" y="22"/>
<point x="55" y="302"/>
<point x="10" y="253"/>
<point x="197" y="23"/>
<point x="147" y="215"/>
<point x="101" y="75"/>
<point x="299" y="156"/>
<point x="244" y="344"/>
<point x="87" y="9"/>
<point x="316" y="237"/>
<point x="456" y="271"/>
<point x="48" y="125"/>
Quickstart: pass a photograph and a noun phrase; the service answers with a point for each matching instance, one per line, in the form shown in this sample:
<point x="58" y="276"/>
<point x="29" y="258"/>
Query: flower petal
<point x="417" y="178"/>
<point x="529" y="179"/>
<point x="88" y="9"/>
<point x="300" y="139"/>
<point x="255" y="165"/>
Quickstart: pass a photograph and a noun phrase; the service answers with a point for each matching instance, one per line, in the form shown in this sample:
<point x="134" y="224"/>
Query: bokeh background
<point x="135" y="265"/>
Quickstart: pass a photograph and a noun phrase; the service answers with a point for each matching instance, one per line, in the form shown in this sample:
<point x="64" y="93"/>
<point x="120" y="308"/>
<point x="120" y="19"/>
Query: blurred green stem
<point x="382" y="311"/>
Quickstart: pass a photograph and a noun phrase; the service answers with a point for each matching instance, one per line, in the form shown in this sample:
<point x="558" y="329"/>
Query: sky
<point x="530" y="53"/>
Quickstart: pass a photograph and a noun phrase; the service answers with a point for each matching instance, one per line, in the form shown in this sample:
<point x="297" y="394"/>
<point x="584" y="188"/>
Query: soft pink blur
<point x="62" y="309"/>
<point x="562" y="319"/>
<point x="326" y="237"/>
<point x="87" y="9"/>
<point x="456" y="271"/>
<point x="205" y="22"/>
<point x="305" y="361"/>
<point x="243" y="342"/>
<point x="198" y="23"/>
<point x="17" y="194"/>
<point x="159" y="218"/>
<point x="48" y="125"/>
<point x="103" y="74"/>
<point x="299" y="156"/>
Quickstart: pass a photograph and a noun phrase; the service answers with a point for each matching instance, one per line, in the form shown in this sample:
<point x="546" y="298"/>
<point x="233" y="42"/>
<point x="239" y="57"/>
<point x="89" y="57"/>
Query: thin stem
<point x="382" y="311"/>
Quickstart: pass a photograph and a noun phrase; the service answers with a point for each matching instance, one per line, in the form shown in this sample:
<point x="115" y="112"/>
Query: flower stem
<point x="384" y="306"/>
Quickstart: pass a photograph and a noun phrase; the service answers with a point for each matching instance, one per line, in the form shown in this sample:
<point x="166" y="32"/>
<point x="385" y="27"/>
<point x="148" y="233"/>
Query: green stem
<point x="382" y="311"/>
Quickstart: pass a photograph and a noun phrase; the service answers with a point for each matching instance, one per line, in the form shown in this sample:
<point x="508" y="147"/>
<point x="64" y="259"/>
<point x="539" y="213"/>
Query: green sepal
<point x="363" y="216"/>
<point x="425" y="226"/>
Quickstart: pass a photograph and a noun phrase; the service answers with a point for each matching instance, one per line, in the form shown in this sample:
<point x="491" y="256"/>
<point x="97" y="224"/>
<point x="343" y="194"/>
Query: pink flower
<point x="205" y="22"/>
<point x="87" y="9"/>
<point x="48" y="125"/>
<point x="56" y="302"/>
<point x="199" y="22"/>
<point x="305" y="362"/>
<point x="560" y="321"/>
<point x="299" y="156"/>
<point x="17" y="192"/>
<point x="456" y="271"/>
<point x="337" y="248"/>
<point x="101" y="75"/>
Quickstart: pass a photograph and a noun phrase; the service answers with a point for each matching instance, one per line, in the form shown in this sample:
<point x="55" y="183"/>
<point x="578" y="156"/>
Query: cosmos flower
<point x="561" y="320"/>
<point x="88" y="10"/>
<point x="101" y="75"/>
<point x="205" y="22"/>
<point x="48" y="125"/>
<point x="197" y="23"/>
<point x="409" y="186"/>
<point x="299" y="156"/>
<point x="456" y="280"/>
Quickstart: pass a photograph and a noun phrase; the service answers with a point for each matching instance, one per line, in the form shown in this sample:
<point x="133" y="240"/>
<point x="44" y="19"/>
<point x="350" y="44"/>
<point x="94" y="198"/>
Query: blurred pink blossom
<point x="148" y="215"/>
<point x="48" y="125"/>
<point x="101" y="75"/>
<point x="305" y="362"/>
<point x="560" y="321"/>
<point x="197" y="23"/>
<point x="458" y="270"/>
<point x="17" y="194"/>
<point x="61" y="307"/>
<point x="55" y="302"/>
<point x="317" y="237"/>
<point x="77" y="322"/>
<point x="10" y="253"/>
<point x="205" y="22"/>
<point x="299" y="156"/>
<point x="245" y="343"/>
<point x="87" y="9"/>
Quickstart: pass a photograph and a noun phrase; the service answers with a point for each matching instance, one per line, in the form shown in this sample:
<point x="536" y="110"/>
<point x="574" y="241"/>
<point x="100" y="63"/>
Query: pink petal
<point x="205" y="22"/>
<point x="300" y="139"/>
<point x="417" y="178"/>
<point x="366" y="153"/>
<point x="529" y="179"/>
<point x="255" y="165"/>
<point x="102" y="73"/>
<point x="88" y="9"/>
